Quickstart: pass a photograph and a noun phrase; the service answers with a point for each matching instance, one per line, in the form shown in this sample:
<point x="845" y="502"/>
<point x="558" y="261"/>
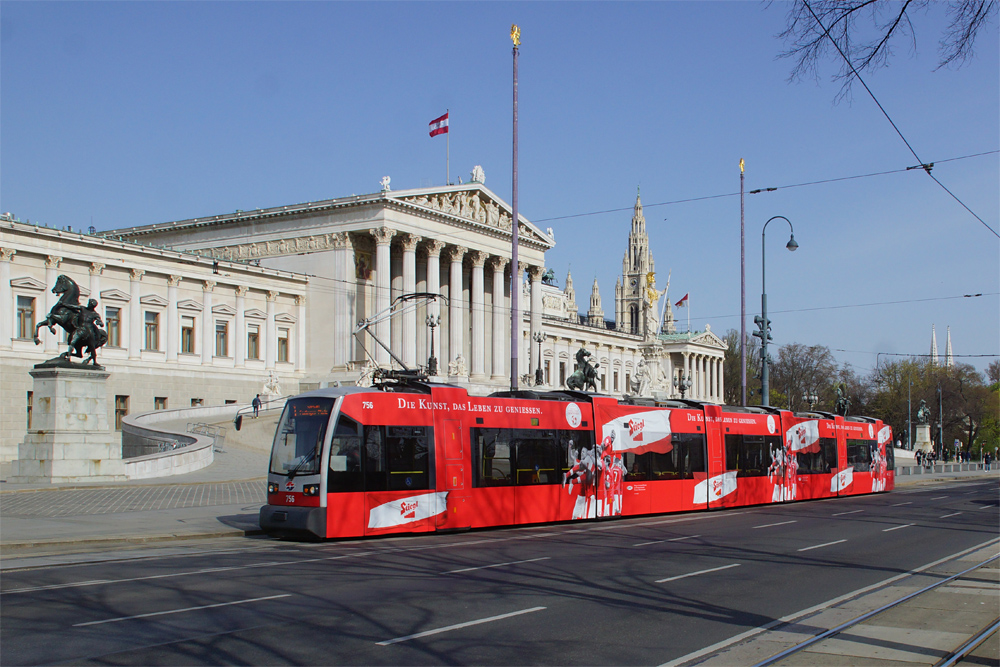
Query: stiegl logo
<point x="408" y="510"/>
<point x="635" y="427"/>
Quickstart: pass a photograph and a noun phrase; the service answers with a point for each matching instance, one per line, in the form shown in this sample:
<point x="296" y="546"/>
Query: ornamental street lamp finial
<point x="515" y="35"/>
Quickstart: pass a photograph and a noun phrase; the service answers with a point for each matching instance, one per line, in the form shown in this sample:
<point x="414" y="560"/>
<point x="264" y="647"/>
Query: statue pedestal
<point x="922" y="440"/>
<point x="69" y="439"/>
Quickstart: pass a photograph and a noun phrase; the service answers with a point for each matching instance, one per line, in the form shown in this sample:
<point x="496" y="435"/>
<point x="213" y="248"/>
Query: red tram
<point x="350" y="462"/>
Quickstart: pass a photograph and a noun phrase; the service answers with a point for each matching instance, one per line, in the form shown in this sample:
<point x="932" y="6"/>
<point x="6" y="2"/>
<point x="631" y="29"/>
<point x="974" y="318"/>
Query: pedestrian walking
<point x="256" y="405"/>
<point x="987" y="461"/>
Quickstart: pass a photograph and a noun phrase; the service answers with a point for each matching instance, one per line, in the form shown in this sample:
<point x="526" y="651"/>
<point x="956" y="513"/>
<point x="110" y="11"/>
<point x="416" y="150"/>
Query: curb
<point x="125" y="485"/>
<point x="7" y="547"/>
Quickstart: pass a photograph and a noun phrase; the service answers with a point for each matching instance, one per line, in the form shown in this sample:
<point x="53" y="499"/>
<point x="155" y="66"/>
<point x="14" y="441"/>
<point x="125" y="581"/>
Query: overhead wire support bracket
<point x="399" y="305"/>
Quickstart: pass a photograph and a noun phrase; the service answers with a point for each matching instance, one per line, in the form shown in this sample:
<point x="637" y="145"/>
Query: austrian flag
<point x="439" y="125"/>
<point x="683" y="302"/>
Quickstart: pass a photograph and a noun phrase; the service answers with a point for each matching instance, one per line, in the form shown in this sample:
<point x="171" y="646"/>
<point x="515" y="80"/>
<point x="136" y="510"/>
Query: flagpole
<point x="447" y="150"/>
<point x="515" y="278"/>
<point x="743" y="298"/>
<point x="688" y="304"/>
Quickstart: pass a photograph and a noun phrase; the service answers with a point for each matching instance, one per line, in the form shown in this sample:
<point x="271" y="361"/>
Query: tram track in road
<point x="895" y="632"/>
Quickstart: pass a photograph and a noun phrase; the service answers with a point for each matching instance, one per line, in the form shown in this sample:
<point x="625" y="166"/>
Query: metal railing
<point x="217" y="433"/>
<point x="137" y="441"/>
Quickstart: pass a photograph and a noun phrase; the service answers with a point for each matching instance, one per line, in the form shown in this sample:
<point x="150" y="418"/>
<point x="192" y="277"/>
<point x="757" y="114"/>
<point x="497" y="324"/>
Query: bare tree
<point x="801" y="370"/>
<point x="864" y="33"/>
<point x="731" y="376"/>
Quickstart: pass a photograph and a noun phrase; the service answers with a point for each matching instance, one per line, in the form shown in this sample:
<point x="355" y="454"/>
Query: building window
<point x="152" y="331"/>
<point x="628" y="382"/>
<point x="604" y="382"/>
<point x="187" y="335"/>
<point x="615" y="381"/>
<point x="113" y="320"/>
<point x="31" y="398"/>
<point x="562" y="373"/>
<point x="548" y="372"/>
<point x="121" y="409"/>
<point x="25" y="317"/>
<point x="195" y="402"/>
<point x="160" y="403"/>
<point x="230" y="401"/>
<point x="283" y="345"/>
<point x="221" y="338"/>
<point x="253" y="342"/>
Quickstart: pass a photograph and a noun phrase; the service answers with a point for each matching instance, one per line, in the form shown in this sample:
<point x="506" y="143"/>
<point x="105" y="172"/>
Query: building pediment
<point x="284" y="318"/>
<point x="27" y="283"/>
<point x="153" y="300"/>
<point x="255" y="314"/>
<point x="224" y="309"/>
<point x="115" y="295"/>
<point x="189" y="304"/>
<point x="473" y="204"/>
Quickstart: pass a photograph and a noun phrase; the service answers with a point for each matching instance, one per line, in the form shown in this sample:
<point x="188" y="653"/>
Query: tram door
<point x="455" y="468"/>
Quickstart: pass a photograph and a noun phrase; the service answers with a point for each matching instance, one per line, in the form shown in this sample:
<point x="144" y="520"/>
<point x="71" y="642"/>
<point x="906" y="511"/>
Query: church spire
<point x="571" y="297"/>
<point x="595" y="316"/>
<point x="934" y="352"/>
<point x="949" y="359"/>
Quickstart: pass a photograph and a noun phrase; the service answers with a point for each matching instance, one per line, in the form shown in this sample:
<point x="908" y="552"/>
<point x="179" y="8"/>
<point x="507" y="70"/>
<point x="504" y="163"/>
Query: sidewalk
<point x="218" y="501"/>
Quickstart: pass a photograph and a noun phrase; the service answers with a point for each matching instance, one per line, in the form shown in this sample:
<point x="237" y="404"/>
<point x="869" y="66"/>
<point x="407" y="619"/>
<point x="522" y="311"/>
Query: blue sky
<point x="122" y="114"/>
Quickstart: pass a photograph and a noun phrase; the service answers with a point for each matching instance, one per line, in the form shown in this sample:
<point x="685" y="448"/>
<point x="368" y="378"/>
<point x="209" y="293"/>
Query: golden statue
<point x="515" y="35"/>
<point x="652" y="300"/>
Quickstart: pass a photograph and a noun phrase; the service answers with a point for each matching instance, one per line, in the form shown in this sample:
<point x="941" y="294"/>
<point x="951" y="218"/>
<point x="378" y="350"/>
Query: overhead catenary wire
<point x="765" y="189"/>
<point x="925" y="166"/>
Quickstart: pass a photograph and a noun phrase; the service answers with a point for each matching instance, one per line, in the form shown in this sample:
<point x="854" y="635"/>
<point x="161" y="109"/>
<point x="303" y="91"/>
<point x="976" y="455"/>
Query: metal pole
<point x="909" y="409"/>
<point x="765" y="327"/>
<point x="743" y="298"/>
<point x="515" y="274"/>
<point x="447" y="153"/>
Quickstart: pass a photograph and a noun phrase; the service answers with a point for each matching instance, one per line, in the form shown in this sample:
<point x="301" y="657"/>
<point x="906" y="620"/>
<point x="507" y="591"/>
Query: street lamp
<point x="764" y="332"/>
<point x="682" y="383"/>
<point x="539" y="337"/>
<point x="432" y="362"/>
<point x="811" y="399"/>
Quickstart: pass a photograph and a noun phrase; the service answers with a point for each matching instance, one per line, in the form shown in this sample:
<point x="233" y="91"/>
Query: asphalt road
<point x="638" y="591"/>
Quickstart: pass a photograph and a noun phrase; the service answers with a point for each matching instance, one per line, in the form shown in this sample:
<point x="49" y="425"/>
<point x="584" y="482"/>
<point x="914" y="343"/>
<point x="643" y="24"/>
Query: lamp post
<point x="682" y="383"/>
<point x="539" y="337"/>
<point x="764" y="324"/>
<point x="810" y="399"/>
<point x="432" y="362"/>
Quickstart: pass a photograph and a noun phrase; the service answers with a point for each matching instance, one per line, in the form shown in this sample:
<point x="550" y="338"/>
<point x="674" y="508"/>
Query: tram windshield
<point x="298" y="441"/>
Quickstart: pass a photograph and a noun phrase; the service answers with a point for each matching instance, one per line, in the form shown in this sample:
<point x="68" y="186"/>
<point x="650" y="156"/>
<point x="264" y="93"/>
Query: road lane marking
<point x="905" y="525"/>
<point x="986" y="507"/>
<point x="948" y="515"/>
<point x="769" y="525"/>
<point x="908" y="502"/>
<point x="820" y="546"/>
<point x="672" y="539"/>
<point x="458" y="626"/>
<point x="939" y="498"/>
<point x="695" y="574"/>
<point x="178" y="611"/>
<point x="486" y="567"/>
<point x="851" y="512"/>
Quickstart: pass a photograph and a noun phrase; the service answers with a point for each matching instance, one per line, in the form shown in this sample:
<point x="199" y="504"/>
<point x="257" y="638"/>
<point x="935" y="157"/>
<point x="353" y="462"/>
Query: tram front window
<point x="298" y="441"/>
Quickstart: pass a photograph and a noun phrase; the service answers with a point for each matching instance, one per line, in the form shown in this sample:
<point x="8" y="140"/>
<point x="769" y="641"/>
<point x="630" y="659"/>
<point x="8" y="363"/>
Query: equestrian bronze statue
<point x="83" y="325"/>
<point x="585" y="374"/>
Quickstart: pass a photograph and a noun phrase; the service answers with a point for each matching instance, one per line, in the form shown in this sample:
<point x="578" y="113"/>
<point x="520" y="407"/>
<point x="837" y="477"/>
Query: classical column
<point x="134" y="315"/>
<point x="343" y="320"/>
<point x="240" y="334"/>
<point x="720" y="364"/>
<point x="96" y="270"/>
<point x="456" y="311"/>
<point x="7" y="305"/>
<point x="383" y="290"/>
<point x="410" y="242"/>
<point x="501" y="318"/>
<point x="478" y="299"/>
<point x="434" y="309"/>
<point x="173" y="326"/>
<point x="535" y="273"/>
<point x="207" y="323"/>
<point x="51" y="271"/>
<point x="300" y="329"/>
<point x="270" y="332"/>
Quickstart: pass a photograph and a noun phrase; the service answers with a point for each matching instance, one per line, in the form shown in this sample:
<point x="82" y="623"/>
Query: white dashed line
<point x="458" y="626"/>
<point x="178" y="611"/>
<point x="486" y="567"/>
<point x="905" y="525"/>
<point x="820" y="546"/>
<point x="695" y="574"/>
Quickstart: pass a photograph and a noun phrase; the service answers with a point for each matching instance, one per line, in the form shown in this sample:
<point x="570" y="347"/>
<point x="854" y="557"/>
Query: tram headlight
<point x="272" y="487"/>
<point x="311" y="489"/>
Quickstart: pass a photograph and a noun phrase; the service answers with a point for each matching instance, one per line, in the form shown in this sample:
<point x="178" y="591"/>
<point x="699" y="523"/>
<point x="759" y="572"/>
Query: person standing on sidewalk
<point x="256" y="405"/>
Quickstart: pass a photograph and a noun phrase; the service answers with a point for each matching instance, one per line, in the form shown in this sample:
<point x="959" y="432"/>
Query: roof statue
<point x="477" y="175"/>
<point x="385" y="183"/>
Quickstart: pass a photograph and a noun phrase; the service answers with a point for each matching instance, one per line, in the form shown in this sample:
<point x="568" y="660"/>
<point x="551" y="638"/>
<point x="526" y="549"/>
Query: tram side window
<point x="345" y="457"/>
<point x="492" y="454"/>
<point x="537" y="456"/>
<point x="636" y="466"/>
<point x="374" y="450"/>
<point x="859" y="454"/>
<point x="408" y="452"/>
<point x="686" y="457"/>
<point x="750" y="455"/>
<point x="890" y="457"/>
<point x="818" y="463"/>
